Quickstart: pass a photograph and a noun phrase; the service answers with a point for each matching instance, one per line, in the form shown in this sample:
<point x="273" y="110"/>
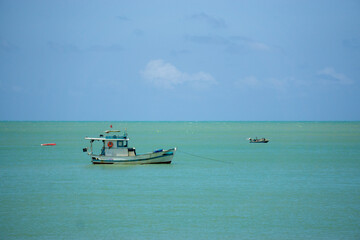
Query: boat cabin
<point x="113" y="145"/>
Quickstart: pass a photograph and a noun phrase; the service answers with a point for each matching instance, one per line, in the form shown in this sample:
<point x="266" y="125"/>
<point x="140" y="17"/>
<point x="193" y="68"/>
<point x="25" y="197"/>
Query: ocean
<point x="303" y="184"/>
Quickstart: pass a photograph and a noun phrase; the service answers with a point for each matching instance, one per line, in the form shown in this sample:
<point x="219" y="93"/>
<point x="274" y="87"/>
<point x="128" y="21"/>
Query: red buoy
<point x="48" y="144"/>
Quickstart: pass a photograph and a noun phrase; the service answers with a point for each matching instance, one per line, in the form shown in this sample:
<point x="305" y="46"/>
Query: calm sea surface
<point x="303" y="184"/>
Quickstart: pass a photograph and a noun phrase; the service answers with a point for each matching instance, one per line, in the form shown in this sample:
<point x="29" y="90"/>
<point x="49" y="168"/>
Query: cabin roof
<point x="107" y="138"/>
<point x="109" y="131"/>
<point x="110" y="137"/>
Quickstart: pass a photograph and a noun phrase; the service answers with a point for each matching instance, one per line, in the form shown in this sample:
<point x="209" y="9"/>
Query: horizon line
<point x="179" y="120"/>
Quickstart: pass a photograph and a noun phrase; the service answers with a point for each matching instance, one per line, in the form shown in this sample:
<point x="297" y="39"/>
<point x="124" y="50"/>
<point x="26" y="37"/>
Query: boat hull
<point x="162" y="157"/>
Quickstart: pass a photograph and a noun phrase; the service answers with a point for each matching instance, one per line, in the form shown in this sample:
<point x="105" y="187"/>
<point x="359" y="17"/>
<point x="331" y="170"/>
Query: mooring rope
<point x="212" y="159"/>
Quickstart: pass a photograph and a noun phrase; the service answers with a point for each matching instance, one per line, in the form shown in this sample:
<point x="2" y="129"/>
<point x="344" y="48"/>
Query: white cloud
<point x="328" y="77"/>
<point x="331" y="76"/>
<point x="166" y="75"/>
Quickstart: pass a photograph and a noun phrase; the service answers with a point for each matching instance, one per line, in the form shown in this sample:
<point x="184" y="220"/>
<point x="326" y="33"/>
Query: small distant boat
<point x="115" y="150"/>
<point x="258" y="140"/>
<point x="48" y="144"/>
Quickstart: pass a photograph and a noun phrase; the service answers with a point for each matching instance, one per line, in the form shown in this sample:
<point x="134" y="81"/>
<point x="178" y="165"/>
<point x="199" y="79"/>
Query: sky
<point x="179" y="60"/>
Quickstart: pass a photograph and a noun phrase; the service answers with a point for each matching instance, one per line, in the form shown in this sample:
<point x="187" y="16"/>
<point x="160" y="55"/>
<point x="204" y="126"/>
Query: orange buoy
<point x="110" y="144"/>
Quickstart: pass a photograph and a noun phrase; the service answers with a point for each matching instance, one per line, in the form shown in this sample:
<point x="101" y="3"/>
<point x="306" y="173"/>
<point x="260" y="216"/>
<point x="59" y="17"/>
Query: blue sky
<point x="180" y="60"/>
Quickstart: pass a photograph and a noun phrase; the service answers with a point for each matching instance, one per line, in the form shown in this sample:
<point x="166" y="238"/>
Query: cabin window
<point x="122" y="143"/>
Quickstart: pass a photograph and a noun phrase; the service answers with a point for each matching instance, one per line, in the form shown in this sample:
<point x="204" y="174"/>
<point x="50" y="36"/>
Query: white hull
<point x="164" y="156"/>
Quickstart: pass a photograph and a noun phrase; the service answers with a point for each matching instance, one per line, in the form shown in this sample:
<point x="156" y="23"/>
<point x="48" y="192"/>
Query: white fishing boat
<point x="258" y="140"/>
<point x="115" y="149"/>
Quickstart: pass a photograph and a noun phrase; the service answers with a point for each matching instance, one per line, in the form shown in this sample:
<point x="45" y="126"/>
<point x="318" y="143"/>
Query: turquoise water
<point x="303" y="184"/>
